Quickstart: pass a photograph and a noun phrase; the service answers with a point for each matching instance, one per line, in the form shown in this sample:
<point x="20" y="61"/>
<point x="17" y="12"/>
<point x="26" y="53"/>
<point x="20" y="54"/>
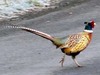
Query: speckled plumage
<point x="76" y="43"/>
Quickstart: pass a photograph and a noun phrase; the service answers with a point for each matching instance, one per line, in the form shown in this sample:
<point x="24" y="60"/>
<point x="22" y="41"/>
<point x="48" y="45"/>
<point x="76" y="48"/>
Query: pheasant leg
<point x="62" y="60"/>
<point x="76" y="62"/>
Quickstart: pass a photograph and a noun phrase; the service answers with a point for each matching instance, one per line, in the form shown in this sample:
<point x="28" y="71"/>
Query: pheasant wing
<point x="76" y="42"/>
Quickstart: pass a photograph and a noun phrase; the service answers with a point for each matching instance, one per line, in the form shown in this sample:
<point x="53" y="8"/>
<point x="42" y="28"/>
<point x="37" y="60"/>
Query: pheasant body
<point x="76" y="43"/>
<point x="71" y="45"/>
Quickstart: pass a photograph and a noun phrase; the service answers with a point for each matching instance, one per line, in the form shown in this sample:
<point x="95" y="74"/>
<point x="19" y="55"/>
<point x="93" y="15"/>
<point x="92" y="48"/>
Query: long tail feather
<point x="42" y="34"/>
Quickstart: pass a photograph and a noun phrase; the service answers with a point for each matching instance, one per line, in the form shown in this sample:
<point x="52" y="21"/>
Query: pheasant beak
<point x="94" y="24"/>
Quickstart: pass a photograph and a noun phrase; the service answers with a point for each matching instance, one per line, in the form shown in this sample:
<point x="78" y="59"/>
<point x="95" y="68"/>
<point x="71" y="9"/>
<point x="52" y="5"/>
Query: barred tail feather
<point x="42" y="34"/>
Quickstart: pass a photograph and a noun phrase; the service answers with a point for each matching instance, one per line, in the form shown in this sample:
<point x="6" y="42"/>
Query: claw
<point x="62" y="61"/>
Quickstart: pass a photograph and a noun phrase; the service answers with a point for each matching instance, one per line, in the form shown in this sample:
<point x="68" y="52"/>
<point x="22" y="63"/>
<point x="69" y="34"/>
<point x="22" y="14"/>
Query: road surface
<point x="23" y="53"/>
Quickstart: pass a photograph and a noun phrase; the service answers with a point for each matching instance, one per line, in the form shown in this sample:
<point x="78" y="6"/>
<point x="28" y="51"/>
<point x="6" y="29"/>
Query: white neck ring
<point x="89" y="31"/>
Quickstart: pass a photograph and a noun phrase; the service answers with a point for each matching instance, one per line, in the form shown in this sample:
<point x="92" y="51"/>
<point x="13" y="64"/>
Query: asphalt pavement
<point x="23" y="53"/>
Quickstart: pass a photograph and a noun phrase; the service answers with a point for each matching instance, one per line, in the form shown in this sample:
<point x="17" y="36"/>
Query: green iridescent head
<point x="89" y="25"/>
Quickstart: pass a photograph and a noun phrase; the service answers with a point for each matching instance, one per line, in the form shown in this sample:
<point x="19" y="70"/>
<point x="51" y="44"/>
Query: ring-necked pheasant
<point x="71" y="45"/>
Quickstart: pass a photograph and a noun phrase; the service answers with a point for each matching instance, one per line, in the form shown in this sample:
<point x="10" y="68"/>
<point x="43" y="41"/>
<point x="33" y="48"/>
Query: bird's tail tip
<point x="12" y="27"/>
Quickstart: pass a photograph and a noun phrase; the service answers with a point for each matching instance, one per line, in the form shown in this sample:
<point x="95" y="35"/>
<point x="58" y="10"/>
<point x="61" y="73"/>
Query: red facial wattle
<point x="92" y="23"/>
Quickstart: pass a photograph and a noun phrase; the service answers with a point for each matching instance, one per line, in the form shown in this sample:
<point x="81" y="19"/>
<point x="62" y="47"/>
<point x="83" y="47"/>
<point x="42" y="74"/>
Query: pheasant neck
<point x="88" y="31"/>
<point x="90" y="35"/>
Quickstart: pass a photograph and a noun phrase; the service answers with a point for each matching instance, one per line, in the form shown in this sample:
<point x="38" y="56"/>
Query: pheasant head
<point x="89" y="26"/>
